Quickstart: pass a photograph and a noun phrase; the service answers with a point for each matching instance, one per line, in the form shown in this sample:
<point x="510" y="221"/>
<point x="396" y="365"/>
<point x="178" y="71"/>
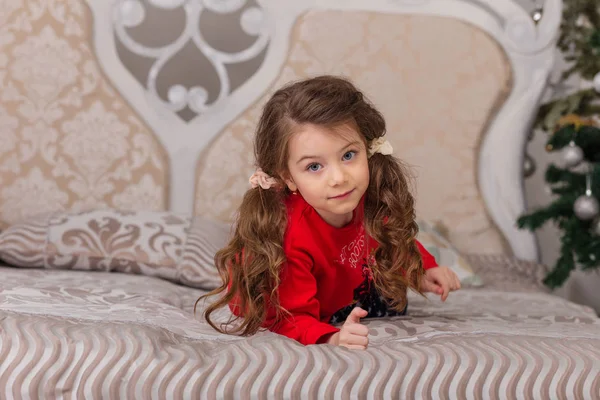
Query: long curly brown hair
<point x="250" y="265"/>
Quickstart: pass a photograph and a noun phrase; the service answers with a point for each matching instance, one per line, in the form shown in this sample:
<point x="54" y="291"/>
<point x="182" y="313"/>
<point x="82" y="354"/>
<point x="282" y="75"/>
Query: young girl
<point x="327" y="232"/>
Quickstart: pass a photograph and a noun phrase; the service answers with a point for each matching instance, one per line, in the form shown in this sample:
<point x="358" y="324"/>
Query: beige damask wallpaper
<point x="68" y="140"/>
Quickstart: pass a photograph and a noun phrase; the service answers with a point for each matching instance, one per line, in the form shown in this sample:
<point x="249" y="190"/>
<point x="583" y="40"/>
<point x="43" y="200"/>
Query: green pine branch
<point x="580" y="243"/>
<point x="579" y="37"/>
<point x="567" y="119"/>
<point x="579" y="246"/>
<point x="559" y="208"/>
<point x="562" y="269"/>
<point x="584" y="242"/>
<point x="555" y="174"/>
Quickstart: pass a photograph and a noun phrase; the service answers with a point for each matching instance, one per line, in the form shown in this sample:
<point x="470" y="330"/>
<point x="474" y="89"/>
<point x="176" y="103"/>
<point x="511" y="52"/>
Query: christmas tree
<point x="572" y="123"/>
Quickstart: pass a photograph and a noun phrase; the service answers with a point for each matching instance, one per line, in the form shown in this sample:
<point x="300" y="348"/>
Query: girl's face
<point x="330" y="170"/>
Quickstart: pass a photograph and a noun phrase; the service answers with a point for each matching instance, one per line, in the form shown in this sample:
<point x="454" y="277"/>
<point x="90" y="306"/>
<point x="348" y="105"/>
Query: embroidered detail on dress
<point x="353" y="250"/>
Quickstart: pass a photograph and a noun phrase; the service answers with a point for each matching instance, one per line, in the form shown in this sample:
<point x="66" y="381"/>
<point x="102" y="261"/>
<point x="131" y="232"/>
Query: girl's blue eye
<point x="349" y="155"/>
<point x="314" y="167"/>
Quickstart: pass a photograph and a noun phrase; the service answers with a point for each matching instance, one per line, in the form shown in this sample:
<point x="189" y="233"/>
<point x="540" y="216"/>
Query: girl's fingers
<point x="429" y="286"/>
<point x="446" y="289"/>
<point x="457" y="282"/>
<point x="357" y="329"/>
<point x="355" y="315"/>
<point x="356" y="340"/>
<point x="355" y="347"/>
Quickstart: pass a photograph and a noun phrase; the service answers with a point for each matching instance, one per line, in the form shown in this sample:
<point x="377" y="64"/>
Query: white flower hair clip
<point x="382" y="146"/>
<point x="260" y="178"/>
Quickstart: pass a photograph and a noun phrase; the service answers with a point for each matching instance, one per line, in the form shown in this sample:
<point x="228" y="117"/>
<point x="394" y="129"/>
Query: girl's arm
<point x="297" y="295"/>
<point x="428" y="260"/>
<point x="440" y="280"/>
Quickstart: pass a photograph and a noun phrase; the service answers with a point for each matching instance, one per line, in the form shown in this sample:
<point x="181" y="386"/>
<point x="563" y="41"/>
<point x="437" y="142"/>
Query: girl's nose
<point x="337" y="175"/>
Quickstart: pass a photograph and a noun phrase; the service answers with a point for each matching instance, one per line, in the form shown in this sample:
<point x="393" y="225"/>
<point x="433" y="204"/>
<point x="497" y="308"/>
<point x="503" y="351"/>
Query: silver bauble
<point x="597" y="82"/>
<point x="586" y="207"/>
<point x="572" y="155"/>
<point x="537" y="14"/>
<point x="528" y="166"/>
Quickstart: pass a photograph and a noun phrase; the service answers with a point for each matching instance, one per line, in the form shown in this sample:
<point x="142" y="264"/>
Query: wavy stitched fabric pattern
<point x="93" y="335"/>
<point x="69" y="141"/>
<point x="426" y="75"/>
<point x="174" y="247"/>
<point x="24" y="245"/>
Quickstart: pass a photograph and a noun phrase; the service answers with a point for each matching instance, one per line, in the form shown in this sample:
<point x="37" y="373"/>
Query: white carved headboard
<point x="186" y="118"/>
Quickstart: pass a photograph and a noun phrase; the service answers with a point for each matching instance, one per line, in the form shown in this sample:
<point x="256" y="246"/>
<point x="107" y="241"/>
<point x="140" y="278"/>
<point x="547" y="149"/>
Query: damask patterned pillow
<point x="163" y="244"/>
<point x="446" y="254"/>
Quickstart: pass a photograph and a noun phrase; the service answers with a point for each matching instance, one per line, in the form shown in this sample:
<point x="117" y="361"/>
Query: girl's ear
<point x="290" y="184"/>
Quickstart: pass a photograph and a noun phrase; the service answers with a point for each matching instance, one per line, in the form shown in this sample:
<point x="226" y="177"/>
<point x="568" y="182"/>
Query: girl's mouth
<point x="343" y="195"/>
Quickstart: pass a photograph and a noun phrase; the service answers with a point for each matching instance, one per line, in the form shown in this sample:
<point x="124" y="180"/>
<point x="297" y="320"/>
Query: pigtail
<point x="390" y="220"/>
<point x="250" y="264"/>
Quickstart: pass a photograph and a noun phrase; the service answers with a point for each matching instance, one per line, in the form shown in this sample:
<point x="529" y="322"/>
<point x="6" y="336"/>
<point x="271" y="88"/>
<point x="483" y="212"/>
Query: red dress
<point x="326" y="274"/>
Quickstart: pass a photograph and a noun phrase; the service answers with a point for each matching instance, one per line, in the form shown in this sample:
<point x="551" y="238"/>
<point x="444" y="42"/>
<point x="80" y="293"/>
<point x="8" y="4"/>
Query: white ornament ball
<point x="586" y="207"/>
<point x="197" y="98"/>
<point x="572" y="155"/>
<point x="537" y="15"/>
<point x="597" y="82"/>
<point x="132" y="13"/>
<point x="177" y="95"/>
<point x="252" y="21"/>
<point x="528" y="166"/>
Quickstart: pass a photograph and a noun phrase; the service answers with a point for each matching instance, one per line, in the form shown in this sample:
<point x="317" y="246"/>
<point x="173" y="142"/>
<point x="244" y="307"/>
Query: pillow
<point x="446" y="254"/>
<point x="175" y="247"/>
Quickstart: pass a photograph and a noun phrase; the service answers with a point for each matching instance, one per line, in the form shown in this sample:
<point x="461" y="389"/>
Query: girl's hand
<point x="353" y="334"/>
<point x="440" y="280"/>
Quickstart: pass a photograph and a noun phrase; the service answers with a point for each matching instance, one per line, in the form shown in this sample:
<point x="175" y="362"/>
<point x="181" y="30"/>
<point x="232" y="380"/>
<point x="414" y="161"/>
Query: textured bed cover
<point x="93" y="335"/>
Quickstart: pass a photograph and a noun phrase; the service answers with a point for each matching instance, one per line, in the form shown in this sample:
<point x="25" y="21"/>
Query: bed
<point x="126" y="146"/>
